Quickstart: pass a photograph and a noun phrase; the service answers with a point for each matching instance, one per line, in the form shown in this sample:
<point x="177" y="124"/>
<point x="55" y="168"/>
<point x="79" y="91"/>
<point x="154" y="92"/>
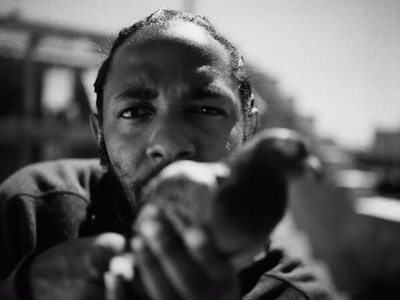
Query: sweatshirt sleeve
<point x="280" y="277"/>
<point x="17" y="244"/>
<point x="35" y="214"/>
<point x="17" y="233"/>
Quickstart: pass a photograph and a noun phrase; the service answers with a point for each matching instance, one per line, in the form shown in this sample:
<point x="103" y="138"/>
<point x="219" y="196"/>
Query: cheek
<point x="124" y="152"/>
<point x="235" y="141"/>
<point x="219" y="146"/>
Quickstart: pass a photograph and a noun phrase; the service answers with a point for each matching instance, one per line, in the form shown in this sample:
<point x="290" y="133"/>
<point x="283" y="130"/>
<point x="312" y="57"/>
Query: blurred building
<point x="46" y="92"/>
<point x="383" y="158"/>
<point x="384" y="151"/>
<point x="350" y="226"/>
<point x="339" y="219"/>
<point x="386" y="145"/>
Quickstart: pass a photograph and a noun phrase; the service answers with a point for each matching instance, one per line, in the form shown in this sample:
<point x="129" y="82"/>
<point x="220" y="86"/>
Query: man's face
<point x="169" y="96"/>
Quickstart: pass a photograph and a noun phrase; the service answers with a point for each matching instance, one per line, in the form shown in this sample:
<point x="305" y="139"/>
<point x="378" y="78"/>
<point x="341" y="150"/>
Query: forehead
<point x="181" y="47"/>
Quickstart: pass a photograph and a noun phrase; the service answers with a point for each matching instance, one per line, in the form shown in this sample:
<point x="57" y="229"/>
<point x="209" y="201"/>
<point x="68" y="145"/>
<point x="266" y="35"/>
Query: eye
<point x="209" y="111"/>
<point x="136" y="113"/>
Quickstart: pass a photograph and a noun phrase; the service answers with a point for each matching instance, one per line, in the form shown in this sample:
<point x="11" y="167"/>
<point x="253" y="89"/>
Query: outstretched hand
<point x="74" y="269"/>
<point x="180" y="265"/>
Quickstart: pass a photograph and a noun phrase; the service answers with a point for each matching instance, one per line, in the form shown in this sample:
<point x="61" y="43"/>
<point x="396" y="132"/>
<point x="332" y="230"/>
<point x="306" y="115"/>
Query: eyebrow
<point x="198" y="94"/>
<point x="204" y="85"/>
<point x="211" y="90"/>
<point x="137" y="92"/>
<point x="205" y="76"/>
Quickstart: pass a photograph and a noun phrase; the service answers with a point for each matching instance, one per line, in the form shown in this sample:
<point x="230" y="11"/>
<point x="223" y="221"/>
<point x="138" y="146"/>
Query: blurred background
<point x="328" y="69"/>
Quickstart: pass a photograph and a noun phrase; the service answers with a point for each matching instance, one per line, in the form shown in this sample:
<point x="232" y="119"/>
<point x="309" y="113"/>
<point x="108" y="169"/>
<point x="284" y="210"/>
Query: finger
<point x="105" y="247"/>
<point x="152" y="275"/>
<point x="214" y="263"/>
<point x="180" y="268"/>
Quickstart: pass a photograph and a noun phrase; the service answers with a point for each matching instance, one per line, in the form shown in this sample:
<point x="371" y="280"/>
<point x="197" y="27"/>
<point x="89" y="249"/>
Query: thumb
<point x="106" y="246"/>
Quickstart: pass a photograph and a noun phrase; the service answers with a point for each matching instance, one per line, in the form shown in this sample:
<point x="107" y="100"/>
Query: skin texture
<point x="191" y="111"/>
<point x="169" y="96"/>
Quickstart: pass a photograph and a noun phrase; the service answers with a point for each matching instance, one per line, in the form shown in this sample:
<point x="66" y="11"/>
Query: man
<point x="172" y="88"/>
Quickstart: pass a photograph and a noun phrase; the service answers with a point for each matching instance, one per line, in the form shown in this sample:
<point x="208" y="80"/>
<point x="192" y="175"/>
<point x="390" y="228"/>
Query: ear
<point x="95" y="127"/>
<point x="254" y="120"/>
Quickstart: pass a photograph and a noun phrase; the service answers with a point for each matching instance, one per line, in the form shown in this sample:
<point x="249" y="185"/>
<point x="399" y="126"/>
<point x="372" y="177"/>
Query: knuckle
<point x="109" y="241"/>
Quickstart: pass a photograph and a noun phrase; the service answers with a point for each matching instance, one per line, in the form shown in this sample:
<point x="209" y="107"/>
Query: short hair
<point x="162" y="18"/>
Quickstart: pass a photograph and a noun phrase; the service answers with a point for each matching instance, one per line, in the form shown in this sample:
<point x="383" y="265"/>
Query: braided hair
<point x="161" y="19"/>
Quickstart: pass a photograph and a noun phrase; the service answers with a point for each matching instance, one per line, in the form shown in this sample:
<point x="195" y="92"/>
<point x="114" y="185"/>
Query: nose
<point x="169" y="141"/>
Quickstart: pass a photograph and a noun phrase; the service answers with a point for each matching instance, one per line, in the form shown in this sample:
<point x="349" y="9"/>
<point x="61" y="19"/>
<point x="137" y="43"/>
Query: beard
<point x="129" y="192"/>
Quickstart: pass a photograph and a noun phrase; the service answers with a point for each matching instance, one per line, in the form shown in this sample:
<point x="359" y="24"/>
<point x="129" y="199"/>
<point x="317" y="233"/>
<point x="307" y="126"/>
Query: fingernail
<point x="150" y="210"/>
<point x="195" y="237"/>
<point x="122" y="265"/>
<point x="150" y="228"/>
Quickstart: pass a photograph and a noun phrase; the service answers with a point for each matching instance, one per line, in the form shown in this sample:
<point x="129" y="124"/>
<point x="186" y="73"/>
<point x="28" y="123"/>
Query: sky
<point x="338" y="59"/>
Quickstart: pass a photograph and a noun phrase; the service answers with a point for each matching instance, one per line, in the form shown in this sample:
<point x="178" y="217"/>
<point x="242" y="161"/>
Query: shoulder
<point x="76" y="176"/>
<point x="281" y="276"/>
<point x="43" y="204"/>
